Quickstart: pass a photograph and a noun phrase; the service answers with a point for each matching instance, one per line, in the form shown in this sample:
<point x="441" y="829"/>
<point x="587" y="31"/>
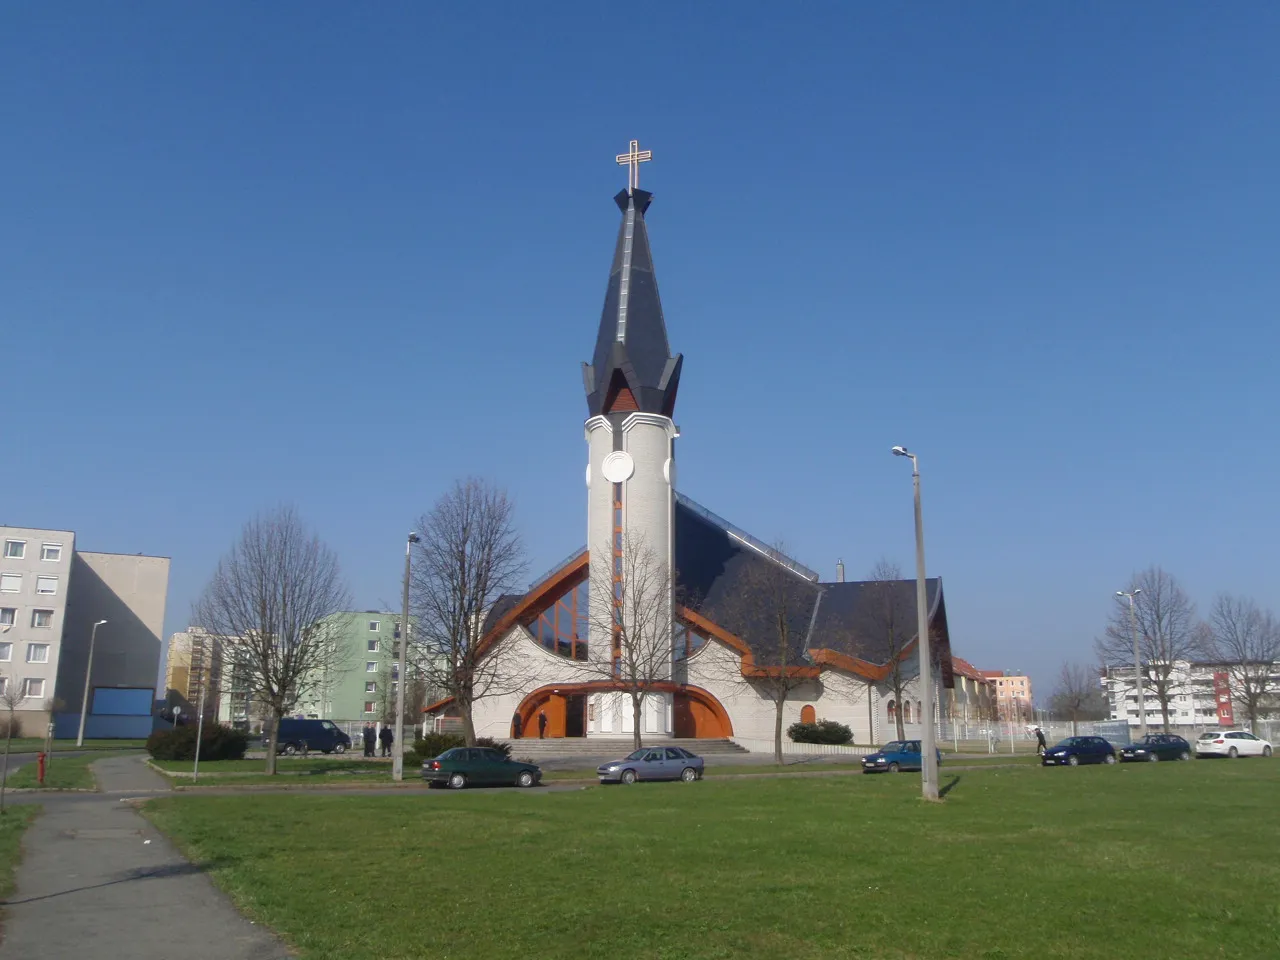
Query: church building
<point x="734" y="616"/>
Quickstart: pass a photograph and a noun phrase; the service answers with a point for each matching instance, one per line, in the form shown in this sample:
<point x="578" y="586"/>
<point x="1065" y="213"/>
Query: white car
<point x="1231" y="743"/>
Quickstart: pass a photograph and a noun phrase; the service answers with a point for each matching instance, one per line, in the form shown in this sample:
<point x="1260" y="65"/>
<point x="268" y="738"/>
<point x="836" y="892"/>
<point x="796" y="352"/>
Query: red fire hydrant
<point x="40" y="768"/>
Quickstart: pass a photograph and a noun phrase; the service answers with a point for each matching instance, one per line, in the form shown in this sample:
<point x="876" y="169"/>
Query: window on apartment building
<point x="33" y="688"/>
<point x="51" y="552"/>
<point x="370" y="687"/>
<point x="10" y="583"/>
<point x="369" y="706"/>
<point x="37" y="653"/>
<point x="46" y="586"/>
<point x="6" y="652"/>
<point x="42" y="618"/>
<point x="7" y="616"/>
<point x="4" y="686"/>
<point x="15" y="549"/>
<point x="371" y="666"/>
<point x="375" y="625"/>
<point x="373" y="646"/>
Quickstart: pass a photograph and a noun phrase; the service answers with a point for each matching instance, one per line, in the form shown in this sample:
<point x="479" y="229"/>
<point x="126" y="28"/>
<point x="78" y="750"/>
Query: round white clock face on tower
<point x="618" y="466"/>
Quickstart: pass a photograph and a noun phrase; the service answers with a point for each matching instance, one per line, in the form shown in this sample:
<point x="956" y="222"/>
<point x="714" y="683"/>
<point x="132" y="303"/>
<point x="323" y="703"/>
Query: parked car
<point x="480" y="766"/>
<point x="322" y="735"/>
<point x="653" y="763"/>
<point x="1231" y="743"/>
<point x="1156" y="746"/>
<point x="894" y="756"/>
<point x="1074" y="751"/>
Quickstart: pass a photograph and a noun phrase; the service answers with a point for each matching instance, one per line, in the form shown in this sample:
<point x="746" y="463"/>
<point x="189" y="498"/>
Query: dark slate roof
<point x="720" y="569"/>
<point x="501" y="607"/>
<point x="738" y="586"/>
<point x="851" y="616"/>
<point x="632" y="341"/>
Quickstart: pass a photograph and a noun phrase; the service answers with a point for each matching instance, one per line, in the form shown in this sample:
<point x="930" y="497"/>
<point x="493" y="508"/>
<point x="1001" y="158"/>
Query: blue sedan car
<point x="1074" y="751"/>
<point x="894" y="756"/>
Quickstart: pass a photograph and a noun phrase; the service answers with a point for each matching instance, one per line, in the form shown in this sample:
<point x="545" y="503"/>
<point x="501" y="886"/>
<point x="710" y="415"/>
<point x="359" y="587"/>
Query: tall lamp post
<point x="1137" y="661"/>
<point x="928" y="749"/>
<point x="397" y="750"/>
<point x="88" y="671"/>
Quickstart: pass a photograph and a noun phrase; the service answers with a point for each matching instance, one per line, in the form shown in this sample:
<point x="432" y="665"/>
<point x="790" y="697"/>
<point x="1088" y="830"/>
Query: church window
<point x="686" y="640"/>
<point x="906" y="711"/>
<point x="562" y="628"/>
<point x="893" y="710"/>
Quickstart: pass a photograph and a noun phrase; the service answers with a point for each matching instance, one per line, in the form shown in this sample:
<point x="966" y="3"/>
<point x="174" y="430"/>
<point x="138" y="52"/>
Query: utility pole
<point x="928" y="748"/>
<point x="1137" y="662"/>
<point x="397" y="748"/>
<point x="88" y="671"/>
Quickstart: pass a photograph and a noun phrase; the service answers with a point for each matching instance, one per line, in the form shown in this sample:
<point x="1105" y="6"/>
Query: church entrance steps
<point x="608" y="748"/>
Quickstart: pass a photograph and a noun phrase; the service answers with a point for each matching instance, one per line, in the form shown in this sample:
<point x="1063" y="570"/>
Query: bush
<point x="824" y="731"/>
<point x="218" y="743"/>
<point x="434" y="744"/>
<point x="4" y="727"/>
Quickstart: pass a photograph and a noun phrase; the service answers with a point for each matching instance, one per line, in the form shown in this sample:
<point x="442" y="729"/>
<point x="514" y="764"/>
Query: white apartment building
<point x="1201" y="695"/>
<point x="35" y="573"/>
<point x="51" y="595"/>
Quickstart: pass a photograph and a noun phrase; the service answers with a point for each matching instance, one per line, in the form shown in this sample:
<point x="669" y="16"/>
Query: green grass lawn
<point x="12" y="825"/>
<point x="63" y="773"/>
<point x="285" y="765"/>
<point x="1142" y="861"/>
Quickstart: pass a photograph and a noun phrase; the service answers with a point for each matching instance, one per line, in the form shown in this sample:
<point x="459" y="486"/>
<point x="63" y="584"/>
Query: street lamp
<point x="929" y="754"/>
<point x="1137" y="661"/>
<point x="397" y="748"/>
<point x="88" y="670"/>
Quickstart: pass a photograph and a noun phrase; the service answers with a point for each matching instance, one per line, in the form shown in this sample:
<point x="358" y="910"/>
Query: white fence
<point x="802" y="749"/>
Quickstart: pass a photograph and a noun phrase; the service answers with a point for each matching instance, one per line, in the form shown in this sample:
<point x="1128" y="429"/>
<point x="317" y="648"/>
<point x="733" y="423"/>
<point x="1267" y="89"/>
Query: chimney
<point x="840" y="571"/>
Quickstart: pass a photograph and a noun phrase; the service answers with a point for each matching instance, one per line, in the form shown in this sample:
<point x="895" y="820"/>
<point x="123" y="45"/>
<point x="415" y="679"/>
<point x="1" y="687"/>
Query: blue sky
<point x="341" y="255"/>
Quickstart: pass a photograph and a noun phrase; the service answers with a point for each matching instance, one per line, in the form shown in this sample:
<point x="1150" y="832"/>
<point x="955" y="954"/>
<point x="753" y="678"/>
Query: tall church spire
<point x="632" y="367"/>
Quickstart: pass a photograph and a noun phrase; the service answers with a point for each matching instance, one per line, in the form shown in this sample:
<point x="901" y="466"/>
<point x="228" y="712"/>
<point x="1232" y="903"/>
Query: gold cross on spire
<point x="632" y="159"/>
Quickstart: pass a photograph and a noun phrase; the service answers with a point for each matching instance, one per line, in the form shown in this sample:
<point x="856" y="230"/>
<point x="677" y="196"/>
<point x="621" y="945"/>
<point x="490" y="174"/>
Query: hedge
<point x="824" y="731"/>
<point x="217" y="743"/>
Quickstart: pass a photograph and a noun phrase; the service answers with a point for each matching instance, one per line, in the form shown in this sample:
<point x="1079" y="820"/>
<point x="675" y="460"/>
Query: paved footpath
<point x="91" y="885"/>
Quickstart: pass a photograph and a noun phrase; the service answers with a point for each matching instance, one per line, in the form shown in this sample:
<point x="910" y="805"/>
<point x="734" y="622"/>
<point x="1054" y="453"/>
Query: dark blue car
<point x="1074" y="751"/>
<point x="894" y="756"/>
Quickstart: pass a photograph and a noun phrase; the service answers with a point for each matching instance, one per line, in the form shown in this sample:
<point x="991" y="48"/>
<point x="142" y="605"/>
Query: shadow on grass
<point x="949" y="786"/>
<point x="129" y="876"/>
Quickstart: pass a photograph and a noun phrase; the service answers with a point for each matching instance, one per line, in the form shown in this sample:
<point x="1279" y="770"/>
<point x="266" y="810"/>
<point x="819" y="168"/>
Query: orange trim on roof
<point x="834" y="659"/>
<point x="736" y="643"/>
<point x="438" y="705"/>
<point x="539" y="598"/>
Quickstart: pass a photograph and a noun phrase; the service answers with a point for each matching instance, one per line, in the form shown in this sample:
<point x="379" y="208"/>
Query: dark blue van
<point x="321" y="735"/>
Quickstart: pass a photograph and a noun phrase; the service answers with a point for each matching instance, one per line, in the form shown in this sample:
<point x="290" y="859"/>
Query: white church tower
<point x="631" y="393"/>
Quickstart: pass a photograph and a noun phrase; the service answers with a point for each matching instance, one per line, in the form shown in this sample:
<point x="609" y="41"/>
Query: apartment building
<point x="1014" y="700"/>
<point x="193" y="673"/>
<point x="51" y="595"/>
<point x="1200" y="692"/>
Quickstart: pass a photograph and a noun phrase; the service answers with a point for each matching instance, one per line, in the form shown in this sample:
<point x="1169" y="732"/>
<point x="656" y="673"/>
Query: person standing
<point x="517" y="726"/>
<point x="542" y="724"/>
<point x="387" y="738"/>
<point x="1041" y="745"/>
<point x="369" y="739"/>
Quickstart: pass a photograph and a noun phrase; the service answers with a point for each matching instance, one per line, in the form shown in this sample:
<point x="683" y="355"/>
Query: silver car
<point x="653" y="763"/>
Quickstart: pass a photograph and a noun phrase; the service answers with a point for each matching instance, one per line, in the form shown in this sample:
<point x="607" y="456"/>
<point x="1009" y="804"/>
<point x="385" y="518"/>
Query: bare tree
<point x="1078" y="695"/>
<point x="468" y="555"/>
<point x="770" y="608"/>
<point x="1166" y="622"/>
<point x="884" y="626"/>
<point x="12" y="696"/>
<point x="270" y="604"/>
<point x="1245" y="640"/>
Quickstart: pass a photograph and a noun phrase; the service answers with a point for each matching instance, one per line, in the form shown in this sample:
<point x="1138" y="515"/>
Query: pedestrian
<point x="517" y="725"/>
<point x="542" y="724"/>
<point x="387" y="738"/>
<point x="1040" y="742"/>
<point x="369" y="739"/>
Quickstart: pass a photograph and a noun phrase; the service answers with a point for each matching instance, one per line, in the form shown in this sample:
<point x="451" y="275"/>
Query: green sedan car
<point x="479" y="766"/>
